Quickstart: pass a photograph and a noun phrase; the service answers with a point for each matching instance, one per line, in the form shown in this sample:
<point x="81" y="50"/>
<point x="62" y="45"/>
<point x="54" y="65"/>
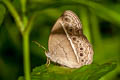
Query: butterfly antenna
<point x="39" y="45"/>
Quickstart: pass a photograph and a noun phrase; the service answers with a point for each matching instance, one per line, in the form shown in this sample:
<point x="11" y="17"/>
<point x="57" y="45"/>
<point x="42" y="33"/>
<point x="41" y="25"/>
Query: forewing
<point x="60" y="50"/>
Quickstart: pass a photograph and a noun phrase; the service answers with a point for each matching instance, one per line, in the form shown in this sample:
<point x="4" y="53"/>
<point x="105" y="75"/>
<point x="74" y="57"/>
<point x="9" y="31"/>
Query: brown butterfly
<point x="67" y="44"/>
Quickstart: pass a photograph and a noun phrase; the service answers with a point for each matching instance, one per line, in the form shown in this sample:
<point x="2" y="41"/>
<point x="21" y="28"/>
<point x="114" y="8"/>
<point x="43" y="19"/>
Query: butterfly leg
<point x="48" y="62"/>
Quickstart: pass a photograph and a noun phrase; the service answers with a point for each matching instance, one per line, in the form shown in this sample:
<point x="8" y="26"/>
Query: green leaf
<point x="89" y="72"/>
<point x="50" y="73"/>
<point x="2" y="13"/>
<point x="21" y="78"/>
<point x="93" y="72"/>
<point x="100" y="10"/>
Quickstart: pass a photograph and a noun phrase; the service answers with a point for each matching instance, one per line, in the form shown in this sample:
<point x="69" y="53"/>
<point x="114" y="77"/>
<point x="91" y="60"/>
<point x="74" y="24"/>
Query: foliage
<point x="2" y="13"/>
<point x="90" y="72"/>
<point x="22" y="21"/>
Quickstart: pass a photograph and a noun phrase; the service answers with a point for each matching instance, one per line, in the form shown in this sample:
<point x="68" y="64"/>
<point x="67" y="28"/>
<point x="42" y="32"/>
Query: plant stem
<point x="85" y="22"/>
<point x="15" y="15"/>
<point x="25" y="42"/>
<point x="25" y="34"/>
<point x="95" y="29"/>
<point x="26" y="56"/>
<point x="23" y="7"/>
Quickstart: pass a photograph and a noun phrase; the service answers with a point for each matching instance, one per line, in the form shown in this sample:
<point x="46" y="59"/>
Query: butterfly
<point x="67" y="44"/>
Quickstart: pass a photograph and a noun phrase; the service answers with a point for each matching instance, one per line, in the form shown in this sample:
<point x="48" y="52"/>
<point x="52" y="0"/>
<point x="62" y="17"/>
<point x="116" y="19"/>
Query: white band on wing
<point x="70" y="42"/>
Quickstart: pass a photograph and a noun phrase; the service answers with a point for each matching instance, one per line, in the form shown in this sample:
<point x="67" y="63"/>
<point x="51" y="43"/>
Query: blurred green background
<point x="101" y="24"/>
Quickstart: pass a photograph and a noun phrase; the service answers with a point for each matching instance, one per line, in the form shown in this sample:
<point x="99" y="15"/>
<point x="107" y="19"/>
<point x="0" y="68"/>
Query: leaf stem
<point x="15" y="15"/>
<point x="85" y="22"/>
<point x="21" y="25"/>
<point x="26" y="42"/>
<point x="26" y="56"/>
<point x="95" y="29"/>
<point x="23" y="5"/>
<point x="24" y="17"/>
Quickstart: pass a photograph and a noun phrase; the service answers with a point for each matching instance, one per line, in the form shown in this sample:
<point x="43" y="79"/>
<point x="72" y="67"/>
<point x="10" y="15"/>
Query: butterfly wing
<point x="67" y="44"/>
<point x="60" y="50"/>
<point x="82" y="48"/>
